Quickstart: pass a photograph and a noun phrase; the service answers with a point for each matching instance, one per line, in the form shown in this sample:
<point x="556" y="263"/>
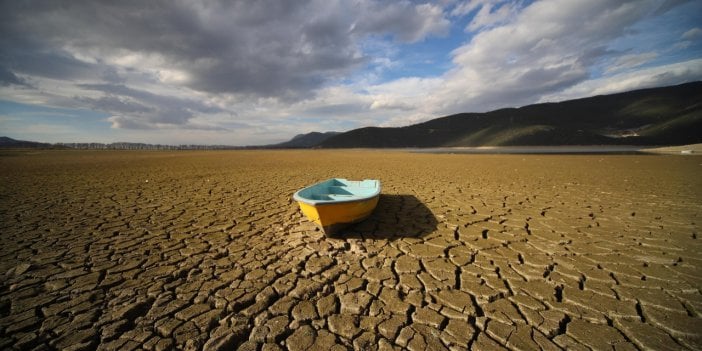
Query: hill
<point x="658" y="116"/>
<point x="9" y="143"/>
<point x="305" y="140"/>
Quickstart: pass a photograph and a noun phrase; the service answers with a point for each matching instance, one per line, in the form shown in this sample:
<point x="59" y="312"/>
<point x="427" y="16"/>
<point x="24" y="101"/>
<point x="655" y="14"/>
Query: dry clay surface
<point x="206" y="250"/>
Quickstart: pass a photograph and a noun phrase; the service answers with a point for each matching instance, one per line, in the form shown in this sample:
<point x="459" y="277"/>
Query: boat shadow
<point x="395" y="217"/>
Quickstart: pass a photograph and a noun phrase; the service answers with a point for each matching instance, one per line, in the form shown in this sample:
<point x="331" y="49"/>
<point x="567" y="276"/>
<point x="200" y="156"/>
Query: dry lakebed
<point x="206" y="250"/>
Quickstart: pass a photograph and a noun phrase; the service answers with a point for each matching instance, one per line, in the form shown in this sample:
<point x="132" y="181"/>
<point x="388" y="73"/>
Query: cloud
<point x="405" y="94"/>
<point x="689" y="38"/>
<point x="404" y="20"/>
<point x="631" y="61"/>
<point x="137" y="109"/>
<point x="139" y="63"/>
<point x="8" y="77"/>
<point x="489" y="13"/>
<point x="549" y="46"/>
<point x="692" y="34"/>
<point x="548" y="50"/>
<point x="667" y="5"/>
<point x="126" y="122"/>
<point x="113" y="103"/>
<point x="135" y="123"/>
<point x="261" y="71"/>
<point x="265" y="48"/>
<point x="658" y="76"/>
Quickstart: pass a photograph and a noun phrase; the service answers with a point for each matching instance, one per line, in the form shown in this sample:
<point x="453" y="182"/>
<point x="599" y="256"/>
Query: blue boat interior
<point x="339" y="190"/>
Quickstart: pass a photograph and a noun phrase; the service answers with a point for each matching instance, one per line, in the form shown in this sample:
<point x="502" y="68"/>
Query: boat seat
<point x="338" y="190"/>
<point x="320" y="197"/>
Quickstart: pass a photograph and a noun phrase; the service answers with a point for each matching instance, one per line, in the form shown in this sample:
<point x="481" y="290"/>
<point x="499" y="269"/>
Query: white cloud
<point x="630" y="61"/>
<point x="551" y="49"/>
<point x="671" y="74"/>
<point x="493" y="13"/>
<point x="549" y="46"/>
<point x="465" y="7"/>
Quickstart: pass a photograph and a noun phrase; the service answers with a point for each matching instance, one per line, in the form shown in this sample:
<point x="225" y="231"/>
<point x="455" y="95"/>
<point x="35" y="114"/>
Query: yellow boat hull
<point x="332" y="217"/>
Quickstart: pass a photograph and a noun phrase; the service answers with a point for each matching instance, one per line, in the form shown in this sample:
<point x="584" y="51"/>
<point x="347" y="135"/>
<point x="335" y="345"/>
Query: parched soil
<point x="193" y="250"/>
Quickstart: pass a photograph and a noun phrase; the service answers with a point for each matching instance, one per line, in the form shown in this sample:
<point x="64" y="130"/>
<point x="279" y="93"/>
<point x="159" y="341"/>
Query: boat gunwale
<point x="333" y="202"/>
<point x="357" y="198"/>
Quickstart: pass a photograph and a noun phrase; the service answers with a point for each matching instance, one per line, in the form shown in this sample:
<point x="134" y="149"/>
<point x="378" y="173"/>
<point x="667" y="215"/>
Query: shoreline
<point x="689" y="149"/>
<point x="693" y="149"/>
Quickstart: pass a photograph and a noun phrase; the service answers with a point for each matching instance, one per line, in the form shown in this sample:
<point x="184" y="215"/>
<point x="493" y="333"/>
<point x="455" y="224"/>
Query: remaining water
<point x="604" y="149"/>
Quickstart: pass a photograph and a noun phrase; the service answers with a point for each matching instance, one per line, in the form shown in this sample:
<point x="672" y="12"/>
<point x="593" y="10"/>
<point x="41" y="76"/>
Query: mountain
<point x="658" y="116"/>
<point x="305" y="140"/>
<point x="9" y="143"/>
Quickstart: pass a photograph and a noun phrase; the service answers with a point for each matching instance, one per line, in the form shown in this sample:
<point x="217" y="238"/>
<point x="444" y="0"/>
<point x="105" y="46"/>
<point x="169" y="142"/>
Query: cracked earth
<point x="206" y="250"/>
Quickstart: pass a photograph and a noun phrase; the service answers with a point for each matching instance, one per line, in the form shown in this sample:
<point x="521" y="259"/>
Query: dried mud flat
<point x="193" y="250"/>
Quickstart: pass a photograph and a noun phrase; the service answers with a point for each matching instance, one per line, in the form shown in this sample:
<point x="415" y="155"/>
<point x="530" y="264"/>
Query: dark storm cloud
<point x="668" y="5"/>
<point x="408" y="21"/>
<point x="110" y="75"/>
<point x="53" y="65"/>
<point x="8" y="77"/>
<point x="270" y="48"/>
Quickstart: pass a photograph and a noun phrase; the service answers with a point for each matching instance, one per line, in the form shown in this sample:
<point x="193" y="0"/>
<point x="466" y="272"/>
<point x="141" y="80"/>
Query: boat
<point x="335" y="203"/>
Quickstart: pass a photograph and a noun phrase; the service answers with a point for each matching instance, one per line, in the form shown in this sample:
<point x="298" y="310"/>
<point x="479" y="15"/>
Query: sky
<point x="260" y="72"/>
